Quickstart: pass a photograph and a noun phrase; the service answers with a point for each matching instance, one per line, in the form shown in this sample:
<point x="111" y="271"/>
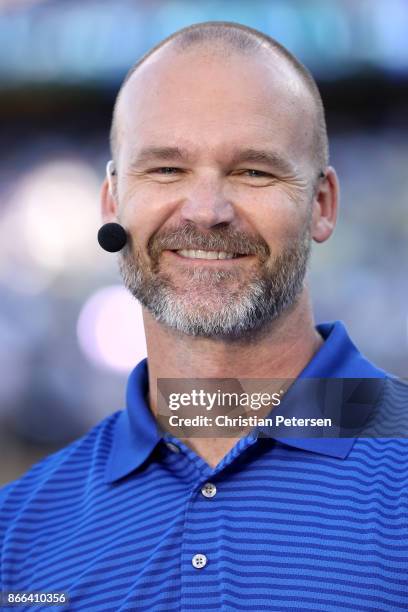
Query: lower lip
<point x="208" y="262"/>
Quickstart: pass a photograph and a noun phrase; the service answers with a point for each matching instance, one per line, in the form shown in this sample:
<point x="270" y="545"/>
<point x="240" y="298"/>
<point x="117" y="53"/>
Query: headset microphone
<point x="112" y="237"/>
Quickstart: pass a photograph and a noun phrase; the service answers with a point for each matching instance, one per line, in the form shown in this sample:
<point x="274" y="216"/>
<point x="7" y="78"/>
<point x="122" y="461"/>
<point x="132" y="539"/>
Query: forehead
<point x="210" y="101"/>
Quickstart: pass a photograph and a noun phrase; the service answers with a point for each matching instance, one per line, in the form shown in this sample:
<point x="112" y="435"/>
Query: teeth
<point x="206" y="254"/>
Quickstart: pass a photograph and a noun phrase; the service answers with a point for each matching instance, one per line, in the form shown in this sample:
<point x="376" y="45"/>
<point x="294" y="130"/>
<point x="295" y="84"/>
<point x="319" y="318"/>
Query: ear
<point x="109" y="207"/>
<point x="325" y="206"/>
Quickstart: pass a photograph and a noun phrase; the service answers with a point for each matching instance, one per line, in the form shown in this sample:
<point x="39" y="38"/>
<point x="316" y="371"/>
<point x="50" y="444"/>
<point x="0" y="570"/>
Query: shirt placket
<point x="200" y="554"/>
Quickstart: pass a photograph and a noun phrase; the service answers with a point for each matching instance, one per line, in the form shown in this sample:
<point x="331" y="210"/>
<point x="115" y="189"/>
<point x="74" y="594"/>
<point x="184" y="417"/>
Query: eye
<point x="254" y="178"/>
<point x="165" y="170"/>
<point x="257" y="173"/>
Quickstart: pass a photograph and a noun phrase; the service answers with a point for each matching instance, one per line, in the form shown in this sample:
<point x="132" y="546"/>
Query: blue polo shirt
<point x="125" y="519"/>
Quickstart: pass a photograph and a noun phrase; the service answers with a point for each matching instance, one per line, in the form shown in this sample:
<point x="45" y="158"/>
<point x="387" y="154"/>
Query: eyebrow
<point x="260" y="156"/>
<point x="149" y="154"/>
<point x="266" y="157"/>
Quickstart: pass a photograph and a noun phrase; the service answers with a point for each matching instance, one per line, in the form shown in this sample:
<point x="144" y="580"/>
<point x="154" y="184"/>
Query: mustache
<point x="221" y="239"/>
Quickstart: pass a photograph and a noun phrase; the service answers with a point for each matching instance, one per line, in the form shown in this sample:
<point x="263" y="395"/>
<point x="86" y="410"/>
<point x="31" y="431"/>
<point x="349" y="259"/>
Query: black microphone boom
<point x="112" y="237"/>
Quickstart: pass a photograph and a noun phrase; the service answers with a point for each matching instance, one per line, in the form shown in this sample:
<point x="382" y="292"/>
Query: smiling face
<point x="215" y="180"/>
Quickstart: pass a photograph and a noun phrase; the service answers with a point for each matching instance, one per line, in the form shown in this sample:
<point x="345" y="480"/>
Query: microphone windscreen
<point x="112" y="237"/>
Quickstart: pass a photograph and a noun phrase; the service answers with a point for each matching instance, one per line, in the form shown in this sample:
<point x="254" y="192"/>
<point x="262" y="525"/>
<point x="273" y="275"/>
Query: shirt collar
<point x="136" y="432"/>
<point x="338" y="357"/>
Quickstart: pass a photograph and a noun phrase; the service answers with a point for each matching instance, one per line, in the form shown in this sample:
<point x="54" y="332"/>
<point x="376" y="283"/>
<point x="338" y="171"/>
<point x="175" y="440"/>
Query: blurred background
<point x="69" y="332"/>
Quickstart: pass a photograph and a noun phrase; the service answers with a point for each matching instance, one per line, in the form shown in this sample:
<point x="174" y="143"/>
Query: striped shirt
<point x="128" y="519"/>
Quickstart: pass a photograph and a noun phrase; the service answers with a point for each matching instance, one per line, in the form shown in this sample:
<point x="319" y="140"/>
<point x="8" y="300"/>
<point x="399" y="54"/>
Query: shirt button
<point x="209" y="489"/>
<point x="172" y="447"/>
<point x="199" y="561"/>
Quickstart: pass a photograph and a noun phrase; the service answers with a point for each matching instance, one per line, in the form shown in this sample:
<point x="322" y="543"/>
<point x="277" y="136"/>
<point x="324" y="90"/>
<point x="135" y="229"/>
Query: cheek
<point x="143" y="211"/>
<point x="136" y="215"/>
<point x="278" y="219"/>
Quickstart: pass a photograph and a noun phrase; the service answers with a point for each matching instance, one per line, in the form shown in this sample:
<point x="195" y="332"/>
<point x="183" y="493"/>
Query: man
<point x="220" y="178"/>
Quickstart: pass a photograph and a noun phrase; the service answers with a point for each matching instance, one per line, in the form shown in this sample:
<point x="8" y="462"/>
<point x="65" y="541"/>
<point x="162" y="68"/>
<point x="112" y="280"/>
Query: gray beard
<point x="205" y="305"/>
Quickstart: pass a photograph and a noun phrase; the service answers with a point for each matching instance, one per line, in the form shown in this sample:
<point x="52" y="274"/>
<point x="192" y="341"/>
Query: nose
<point x="206" y="204"/>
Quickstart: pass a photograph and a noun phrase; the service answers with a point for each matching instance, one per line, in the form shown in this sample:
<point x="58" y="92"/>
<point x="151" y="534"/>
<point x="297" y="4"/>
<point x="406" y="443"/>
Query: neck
<point x="282" y="351"/>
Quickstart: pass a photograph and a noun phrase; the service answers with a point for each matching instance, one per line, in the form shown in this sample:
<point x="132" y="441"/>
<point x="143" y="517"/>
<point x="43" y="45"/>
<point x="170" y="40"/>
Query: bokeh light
<point x="110" y="329"/>
<point x="55" y="210"/>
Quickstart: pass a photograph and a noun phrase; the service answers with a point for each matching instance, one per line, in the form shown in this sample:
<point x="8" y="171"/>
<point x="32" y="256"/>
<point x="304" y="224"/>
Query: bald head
<point x="231" y="39"/>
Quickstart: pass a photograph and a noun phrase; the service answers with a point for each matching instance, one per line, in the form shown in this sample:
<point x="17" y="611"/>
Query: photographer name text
<point x="247" y="421"/>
